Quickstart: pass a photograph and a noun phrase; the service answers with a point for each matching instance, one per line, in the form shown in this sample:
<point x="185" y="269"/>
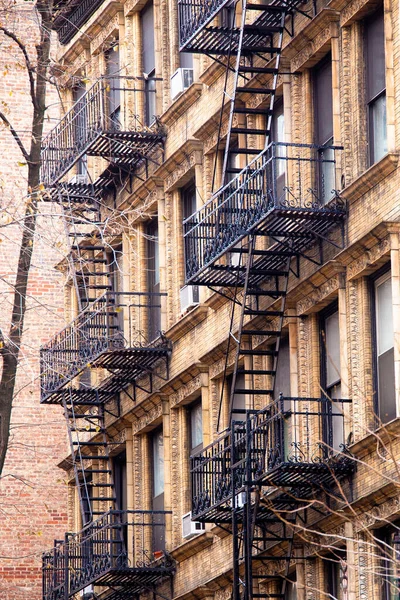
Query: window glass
<point x="158" y="463"/>
<point x="323" y="114"/>
<point x="196" y="426"/>
<point x="376" y="85"/>
<point x="282" y="377"/>
<point x="332" y="343"/>
<point x="385" y="349"/>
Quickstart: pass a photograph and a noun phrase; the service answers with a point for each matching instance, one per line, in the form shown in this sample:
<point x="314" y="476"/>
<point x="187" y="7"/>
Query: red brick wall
<point x="32" y="488"/>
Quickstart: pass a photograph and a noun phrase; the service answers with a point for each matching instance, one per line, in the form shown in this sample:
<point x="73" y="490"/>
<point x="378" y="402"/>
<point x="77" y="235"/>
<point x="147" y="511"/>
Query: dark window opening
<point x="195" y="427"/>
<point x="153" y="279"/>
<point x="385" y="397"/>
<point x="149" y="62"/>
<point x="157" y="449"/>
<point x="376" y="85"/>
<point x="113" y="85"/>
<point x="323" y="115"/>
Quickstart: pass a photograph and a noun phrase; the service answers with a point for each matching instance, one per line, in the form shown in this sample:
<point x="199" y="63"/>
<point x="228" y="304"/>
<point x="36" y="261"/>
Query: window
<point x="239" y="400"/>
<point x="278" y="136"/>
<point x="158" y="464"/>
<point x="119" y="468"/>
<point x="80" y="125"/>
<point x="323" y="115"/>
<point x="157" y="447"/>
<point x="389" y="546"/>
<point x="335" y="575"/>
<point x="291" y="589"/>
<point x="385" y="404"/>
<point x="330" y="377"/>
<point x="149" y="62"/>
<point x="112" y="61"/>
<point x="282" y="376"/>
<point x="376" y="86"/>
<point x="153" y="278"/>
<point x="195" y="427"/>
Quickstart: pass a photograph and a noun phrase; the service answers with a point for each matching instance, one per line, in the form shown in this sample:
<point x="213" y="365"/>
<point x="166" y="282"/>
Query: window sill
<point x="370" y="178"/>
<point x="180" y="106"/>
<point x="188" y="322"/>
<point x="385" y="434"/>
<point x="193" y="546"/>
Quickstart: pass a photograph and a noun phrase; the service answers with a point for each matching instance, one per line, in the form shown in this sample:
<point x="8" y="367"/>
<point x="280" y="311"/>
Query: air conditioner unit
<point x="189" y="295"/>
<point x="81" y="178"/>
<point x="180" y="81"/>
<point x="87" y="593"/>
<point x="191" y="528"/>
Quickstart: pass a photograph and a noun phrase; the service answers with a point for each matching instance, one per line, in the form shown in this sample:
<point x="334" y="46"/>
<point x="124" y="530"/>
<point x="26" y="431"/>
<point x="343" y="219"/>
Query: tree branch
<point x="15" y="136"/>
<point x="29" y="66"/>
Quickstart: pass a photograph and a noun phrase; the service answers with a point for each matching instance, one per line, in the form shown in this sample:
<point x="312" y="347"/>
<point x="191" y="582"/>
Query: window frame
<point x="195" y="405"/>
<point x="371" y="101"/>
<point x="380" y="274"/>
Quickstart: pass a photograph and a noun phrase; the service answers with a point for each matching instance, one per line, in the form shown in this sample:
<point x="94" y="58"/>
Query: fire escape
<point x="111" y="344"/>
<point x="277" y="206"/>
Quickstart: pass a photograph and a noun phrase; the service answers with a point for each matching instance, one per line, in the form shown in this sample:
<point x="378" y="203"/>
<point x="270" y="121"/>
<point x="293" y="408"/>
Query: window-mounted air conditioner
<point x="81" y="178"/>
<point x="191" y="528"/>
<point x="180" y="81"/>
<point x="87" y="593"/>
<point x="189" y="295"/>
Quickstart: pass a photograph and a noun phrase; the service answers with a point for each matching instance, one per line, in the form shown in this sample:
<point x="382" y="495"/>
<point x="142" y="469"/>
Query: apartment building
<point x="230" y="373"/>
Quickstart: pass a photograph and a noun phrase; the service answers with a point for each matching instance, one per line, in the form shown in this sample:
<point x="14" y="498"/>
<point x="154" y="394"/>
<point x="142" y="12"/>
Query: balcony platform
<point x="285" y="193"/>
<point x="96" y="339"/>
<point x="99" y="556"/>
<point x="294" y="446"/>
<point x="104" y="122"/>
<point x="71" y="15"/>
<point x="196" y="34"/>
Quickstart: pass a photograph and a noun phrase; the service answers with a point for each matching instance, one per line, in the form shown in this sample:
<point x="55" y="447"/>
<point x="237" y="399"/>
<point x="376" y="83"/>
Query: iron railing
<point x="292" y="178"/>
<point x="194" y="15"/>
<point x="68" y="21"/>
<point x="115" y="321"/>
<point x="92" y="126"/>
<point x="295" y="436"/>
<point x="132" y="542"/>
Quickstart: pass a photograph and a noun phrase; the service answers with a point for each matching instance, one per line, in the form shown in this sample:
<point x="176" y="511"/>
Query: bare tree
<point x="36" y="66"/>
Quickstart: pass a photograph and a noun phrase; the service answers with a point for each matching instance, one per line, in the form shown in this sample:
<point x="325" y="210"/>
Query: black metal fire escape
<point x="245" y="243"/>
<point x="109" y="346"/>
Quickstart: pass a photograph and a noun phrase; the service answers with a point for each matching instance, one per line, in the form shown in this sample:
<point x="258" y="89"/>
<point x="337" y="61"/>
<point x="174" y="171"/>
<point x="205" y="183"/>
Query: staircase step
<point x="268" y="272"/>
<point x="254" y="151"/>
<point x="263" y="313"/>
<point x="254" y="392"/>
<point x="252" y="111"/>
<point x="88" y="430"/>
<point x="264" y="30"/>
<point x="255" y="372"/>
<point x="267" y="70"/>
<point x="90" y="444"/>
<point x="255" y="90"/>
<point x="261" y="332"/>
<point x="91" y="471"/>
<point x="267" y="7"/>
<point x="92" y="457"/>
<point x="83" y="416"/>
<point x="103" y="499"/>
<point x="235" y="171"/>
<point x="251" y="292"/>
<point x="259" y="352"/>
<point x="100" y="485"/>
<point x="264" y="252"/>
<point x="248" y="131"/>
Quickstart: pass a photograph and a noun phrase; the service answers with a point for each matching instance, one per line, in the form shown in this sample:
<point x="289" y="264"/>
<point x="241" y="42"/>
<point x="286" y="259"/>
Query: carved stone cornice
<point x="147" y="419"/>
<point x="175" y="168"/>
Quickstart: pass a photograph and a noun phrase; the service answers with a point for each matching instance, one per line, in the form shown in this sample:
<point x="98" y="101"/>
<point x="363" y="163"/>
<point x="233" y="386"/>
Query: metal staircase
<point x="90" y="452"/>
<point x="259" y="477"/>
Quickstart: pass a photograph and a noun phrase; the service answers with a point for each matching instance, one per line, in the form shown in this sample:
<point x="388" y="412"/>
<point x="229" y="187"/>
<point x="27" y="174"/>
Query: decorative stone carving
<point x="303" y="344"/>
<point x="186" y="390"/>
<point x="104" y="33"/>
<point x="150" y="416"/>
<point x="318" y="295"/>
<point x="378" y="514"/>
<point x="311" y="49"/>
<point x="310" y="579"/>
<point x="358" y="267"/>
